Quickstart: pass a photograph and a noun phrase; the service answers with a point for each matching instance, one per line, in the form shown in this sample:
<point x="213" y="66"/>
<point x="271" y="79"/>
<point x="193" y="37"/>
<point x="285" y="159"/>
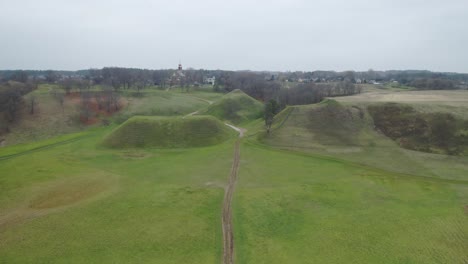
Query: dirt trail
<point x="204" y="100"/>
<point x="191" y="114"/>
<point x="196" y="112"/>
<point x="228" y="237"/>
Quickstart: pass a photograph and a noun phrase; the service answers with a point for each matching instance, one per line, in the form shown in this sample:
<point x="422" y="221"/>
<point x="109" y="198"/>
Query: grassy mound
<point x="348" y="132"/>
<point x="327" y="123"/>
<point x="236" y="107"/>
<point x="168" y="132"/>
<point x="428" y="132"/>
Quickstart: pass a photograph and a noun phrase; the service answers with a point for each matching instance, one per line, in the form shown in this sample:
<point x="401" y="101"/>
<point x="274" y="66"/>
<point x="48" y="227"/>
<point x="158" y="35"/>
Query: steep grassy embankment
<point x="168" y="132"/>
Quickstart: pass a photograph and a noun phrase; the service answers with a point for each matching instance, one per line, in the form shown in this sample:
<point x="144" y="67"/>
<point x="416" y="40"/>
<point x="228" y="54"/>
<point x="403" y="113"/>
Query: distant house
<point x="358" y="81"/>
<point x="304" y="80"/>
<point x="210" y="80"/>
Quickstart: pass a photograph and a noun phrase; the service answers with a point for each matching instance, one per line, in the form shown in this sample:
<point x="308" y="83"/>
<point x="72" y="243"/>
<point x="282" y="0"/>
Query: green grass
<point x="332" y="195"/>
<point x="78" y="203"/>
<point x="295" y="208"/>
<point x="236" y="107"/>
<point x="168" y="132"/>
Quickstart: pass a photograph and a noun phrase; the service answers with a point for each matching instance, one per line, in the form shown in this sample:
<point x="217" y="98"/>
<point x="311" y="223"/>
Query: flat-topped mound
<point x="326" y="124"/>
<point x="168" y="132"/>
<point x="236" y="107"/>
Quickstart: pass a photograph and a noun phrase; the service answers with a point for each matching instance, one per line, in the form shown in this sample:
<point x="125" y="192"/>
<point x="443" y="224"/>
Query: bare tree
<point x="61" y="99"/>
<point x="32" y="104"/>
<point x="19" y="76"/>
<point x="99" y="96"/>
<point x="115" y="101"/>
<point x="12" y="107"/>
<point x="139" y="86"/>
<point x="51" y="76"/>
<point x="111" y="99"/>
<point x="85" y="105"/>
<point x="59" y="96"/>
<point x="66" y="85"/>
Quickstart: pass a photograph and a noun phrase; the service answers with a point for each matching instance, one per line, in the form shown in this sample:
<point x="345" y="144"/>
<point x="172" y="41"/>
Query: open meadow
<point x="80" y="203"/>
<point x="323" y="187"/>
<point x="298" y="208"/>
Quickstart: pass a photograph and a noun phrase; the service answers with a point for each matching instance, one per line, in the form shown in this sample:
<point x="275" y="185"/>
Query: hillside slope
<point x="437" y="132"/>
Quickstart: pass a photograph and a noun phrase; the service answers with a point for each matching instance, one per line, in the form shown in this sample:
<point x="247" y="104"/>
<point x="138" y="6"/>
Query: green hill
<point x="349" y="132"/>
<point x="236" y="107"/>
<point x="322" y="125"/>
<point x="168" y="132"/>
<point x="343" y="131"/>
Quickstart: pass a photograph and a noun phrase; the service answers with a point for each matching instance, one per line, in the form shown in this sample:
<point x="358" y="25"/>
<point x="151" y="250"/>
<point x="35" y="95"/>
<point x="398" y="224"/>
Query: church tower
<point x="180" y="66"/>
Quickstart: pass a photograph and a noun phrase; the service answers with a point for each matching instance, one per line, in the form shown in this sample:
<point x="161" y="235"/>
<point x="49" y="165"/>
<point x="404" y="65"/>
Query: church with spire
<point x="178" y="78"/>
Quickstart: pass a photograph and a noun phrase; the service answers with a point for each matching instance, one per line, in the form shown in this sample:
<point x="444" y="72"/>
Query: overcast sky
<point x="235" y="35"/>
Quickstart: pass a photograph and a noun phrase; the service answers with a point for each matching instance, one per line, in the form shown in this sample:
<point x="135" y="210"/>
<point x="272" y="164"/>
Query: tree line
<point x="264" y="90"/>
<point x="126" y="78"/>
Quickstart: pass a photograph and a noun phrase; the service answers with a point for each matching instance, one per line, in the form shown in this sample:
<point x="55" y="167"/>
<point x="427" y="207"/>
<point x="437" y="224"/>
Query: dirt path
<point x="204" y="100"/>
<point x="191" y="114"/>
<point x="228" y="237"/>
<point x="240" y="130"/>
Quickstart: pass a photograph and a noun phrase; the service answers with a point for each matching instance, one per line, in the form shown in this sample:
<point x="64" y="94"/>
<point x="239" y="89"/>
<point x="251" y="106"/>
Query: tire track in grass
<point x="228" y="237"/>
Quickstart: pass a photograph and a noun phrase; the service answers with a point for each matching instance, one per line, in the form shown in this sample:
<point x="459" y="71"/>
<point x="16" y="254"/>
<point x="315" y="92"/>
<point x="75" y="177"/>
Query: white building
<point x="210" y="80"/>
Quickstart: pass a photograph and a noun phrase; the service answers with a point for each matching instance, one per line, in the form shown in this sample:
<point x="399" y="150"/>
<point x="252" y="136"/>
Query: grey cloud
<point x="257" y="35"/>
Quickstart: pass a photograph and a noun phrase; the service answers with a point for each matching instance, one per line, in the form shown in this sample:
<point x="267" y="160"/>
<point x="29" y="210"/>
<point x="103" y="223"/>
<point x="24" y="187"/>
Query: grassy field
<point x="295" y="208"/>
<point x="325" y="187"/>
<point x="78" y="203"/>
